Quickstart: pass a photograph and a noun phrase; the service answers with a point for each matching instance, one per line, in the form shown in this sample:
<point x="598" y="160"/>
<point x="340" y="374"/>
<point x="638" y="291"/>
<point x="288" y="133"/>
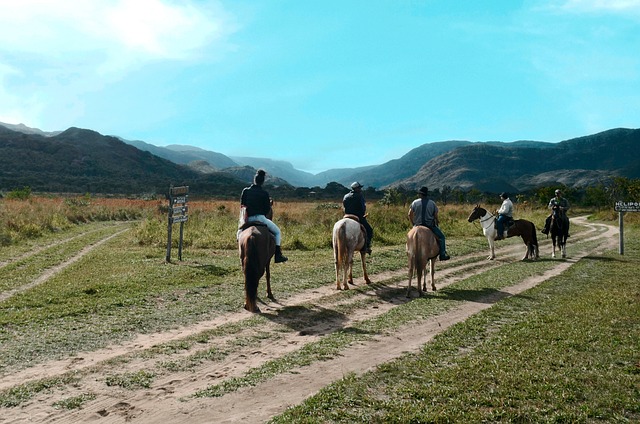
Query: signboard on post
<point x="627" y="206"/>
<point x="178" y="209"/>
<point x="621" y="207"/>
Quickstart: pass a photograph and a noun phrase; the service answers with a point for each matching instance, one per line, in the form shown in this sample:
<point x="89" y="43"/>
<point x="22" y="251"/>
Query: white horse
<point x="521" y="227"/>
<point x="422" y="249"/>
<point x="349" y="236"/>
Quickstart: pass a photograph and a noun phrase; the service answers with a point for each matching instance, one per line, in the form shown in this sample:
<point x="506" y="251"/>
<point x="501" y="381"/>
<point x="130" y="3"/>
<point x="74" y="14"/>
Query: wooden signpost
<point x="177" y="214"/>
<point x="621" y="207"/>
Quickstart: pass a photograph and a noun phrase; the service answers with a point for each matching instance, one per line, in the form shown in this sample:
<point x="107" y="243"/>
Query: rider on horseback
<point x="563" y="206"/>
<point x="258" y="205"/>
<point x="354" y="204"/>
<point x="423" y="211"/>
<point x="505" y="214"/>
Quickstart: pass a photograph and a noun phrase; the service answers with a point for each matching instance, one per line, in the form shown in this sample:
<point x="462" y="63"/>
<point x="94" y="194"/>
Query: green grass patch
<point x="565" y="351"/>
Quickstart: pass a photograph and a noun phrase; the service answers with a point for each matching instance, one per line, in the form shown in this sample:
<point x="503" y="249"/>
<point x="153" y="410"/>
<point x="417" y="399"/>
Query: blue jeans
<point x="438" y="233"/>
<point x="273" y="228"/>
<point x="500" y="224"/>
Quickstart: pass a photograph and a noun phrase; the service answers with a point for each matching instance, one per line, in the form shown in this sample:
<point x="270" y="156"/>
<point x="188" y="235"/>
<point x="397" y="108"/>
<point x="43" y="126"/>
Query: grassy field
<point x="565" y="351"/>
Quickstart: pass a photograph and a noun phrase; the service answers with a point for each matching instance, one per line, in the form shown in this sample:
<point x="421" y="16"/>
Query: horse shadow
<point x="214" y="270"/>
<point x="308" y="321"/>
<point x="484" y="295"/>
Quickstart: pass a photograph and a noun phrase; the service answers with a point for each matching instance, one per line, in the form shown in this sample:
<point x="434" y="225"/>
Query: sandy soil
<point x="169" y="398"/>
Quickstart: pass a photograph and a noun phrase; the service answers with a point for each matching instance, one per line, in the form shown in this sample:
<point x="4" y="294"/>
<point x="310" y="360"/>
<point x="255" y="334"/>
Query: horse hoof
<point x="256" y="310"/>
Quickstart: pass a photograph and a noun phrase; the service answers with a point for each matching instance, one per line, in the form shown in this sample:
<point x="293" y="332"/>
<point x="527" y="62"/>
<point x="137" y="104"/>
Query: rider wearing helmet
<point x="559" y="201"/>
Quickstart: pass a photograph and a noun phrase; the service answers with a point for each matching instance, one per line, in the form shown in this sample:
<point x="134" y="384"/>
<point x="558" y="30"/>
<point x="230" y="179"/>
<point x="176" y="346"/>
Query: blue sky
<point x="321" y="84"/>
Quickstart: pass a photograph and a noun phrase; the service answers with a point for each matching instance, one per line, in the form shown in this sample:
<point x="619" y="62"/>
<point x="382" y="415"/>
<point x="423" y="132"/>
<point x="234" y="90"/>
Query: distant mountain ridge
<point x="86" y="160"/>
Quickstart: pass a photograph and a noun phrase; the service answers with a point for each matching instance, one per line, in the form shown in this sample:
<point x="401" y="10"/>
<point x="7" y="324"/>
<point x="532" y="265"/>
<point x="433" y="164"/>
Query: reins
<point x="484" y="220"/>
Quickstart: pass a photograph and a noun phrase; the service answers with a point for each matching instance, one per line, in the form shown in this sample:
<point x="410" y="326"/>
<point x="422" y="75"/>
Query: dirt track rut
<point x="169" y="397"/>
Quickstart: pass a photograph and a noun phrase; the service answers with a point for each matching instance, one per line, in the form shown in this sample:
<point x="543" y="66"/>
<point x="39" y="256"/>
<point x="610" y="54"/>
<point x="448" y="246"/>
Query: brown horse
<point x="422" y="249"/>
<point x="559" y="229"/>
<point x="257" y="246"/>
<point x="349" y="236"/>
<point x="521" y="227"/>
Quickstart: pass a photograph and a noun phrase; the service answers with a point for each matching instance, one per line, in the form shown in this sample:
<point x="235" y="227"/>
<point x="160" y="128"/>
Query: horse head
<point x="477" y="213"/>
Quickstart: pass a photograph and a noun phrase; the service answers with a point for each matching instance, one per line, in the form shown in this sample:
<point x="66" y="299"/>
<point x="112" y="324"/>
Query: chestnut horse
<point x="559" y="230"/>
<point x="349" y="236"/>
<point x="521" y="227"/>
<point x="422" y="249"/>
<point x="257" y="246"/>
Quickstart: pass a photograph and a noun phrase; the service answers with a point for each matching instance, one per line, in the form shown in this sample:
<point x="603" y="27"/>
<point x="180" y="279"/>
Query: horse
<point x="422" y="249"/>
<point x="559" y="230"/>
<point x="256" y="246"/>
<point x="349" y="236"/>
<point x="520" y="227"/>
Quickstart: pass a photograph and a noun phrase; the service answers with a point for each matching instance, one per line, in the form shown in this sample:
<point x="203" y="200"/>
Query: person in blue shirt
<point x="423" y="211"/>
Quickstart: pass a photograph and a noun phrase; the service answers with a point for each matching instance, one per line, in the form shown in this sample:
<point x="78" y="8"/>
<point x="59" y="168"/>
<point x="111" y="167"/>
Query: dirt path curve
<point x="165" y="401"/>
<point x="52" y="271"/>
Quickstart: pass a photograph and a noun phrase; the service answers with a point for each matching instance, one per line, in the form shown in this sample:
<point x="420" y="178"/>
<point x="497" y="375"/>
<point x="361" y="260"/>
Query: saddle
<point x="351" y="216"/>
<point x="355" y="218"/>
<point x="251" y="224"/>
<point x="509" y="223"/>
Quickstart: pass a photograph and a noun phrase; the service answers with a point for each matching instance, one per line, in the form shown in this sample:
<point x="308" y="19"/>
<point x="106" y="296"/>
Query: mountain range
<point x="82" y="160"/>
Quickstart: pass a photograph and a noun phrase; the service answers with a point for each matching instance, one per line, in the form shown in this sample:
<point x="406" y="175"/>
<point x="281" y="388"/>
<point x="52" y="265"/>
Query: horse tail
<point x="251" y="270"/>
<point x="535" y="234"/>
<point x="417" y="255"/>
<point x="342" y="250"/>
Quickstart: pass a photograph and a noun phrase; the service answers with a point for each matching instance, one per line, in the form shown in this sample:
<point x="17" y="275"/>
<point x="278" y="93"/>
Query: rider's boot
<point x="443" y="252"/>
<point x="547" y="224"/>
<point x="279" y="256"/>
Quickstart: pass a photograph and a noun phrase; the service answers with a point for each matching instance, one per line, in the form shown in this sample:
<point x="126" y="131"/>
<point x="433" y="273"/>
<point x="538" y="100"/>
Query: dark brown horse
<point x="521" y="227"/>
<point x="559" y="229"/>
<point x="422" y="250"/>
<point x="257" y="246"/>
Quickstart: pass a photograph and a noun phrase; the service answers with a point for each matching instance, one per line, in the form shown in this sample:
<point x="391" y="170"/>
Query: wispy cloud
<point x="630" y="7"/>
<point x="75" y="47"/>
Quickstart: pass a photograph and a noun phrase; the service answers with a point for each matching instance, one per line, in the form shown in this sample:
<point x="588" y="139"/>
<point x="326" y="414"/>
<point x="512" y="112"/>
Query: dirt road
<point x="170" y="398"/>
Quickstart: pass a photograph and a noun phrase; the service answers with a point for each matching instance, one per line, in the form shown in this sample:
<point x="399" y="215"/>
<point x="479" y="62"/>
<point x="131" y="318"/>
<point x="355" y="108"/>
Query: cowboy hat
<point x="424" y="190"/>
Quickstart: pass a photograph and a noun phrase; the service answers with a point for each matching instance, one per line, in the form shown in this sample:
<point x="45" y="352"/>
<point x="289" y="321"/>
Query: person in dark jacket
<point x="354" y="204"/>
<point x="257" y="202"/>
<point x="562" y="203"/>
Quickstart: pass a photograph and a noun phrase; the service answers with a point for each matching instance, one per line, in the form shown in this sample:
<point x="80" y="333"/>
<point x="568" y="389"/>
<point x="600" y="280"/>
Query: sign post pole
<point x="621" y="225"/>
<point x="177" y="213"/>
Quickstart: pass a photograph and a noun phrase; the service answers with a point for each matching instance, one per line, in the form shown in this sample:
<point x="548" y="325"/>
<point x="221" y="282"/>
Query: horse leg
<point x="410" y="275"/>
<point x="432" y="273"/>
<point x="268" y="278"/>
<point x="526" y="252"/>
<point x="492" y="243"/>
<point x="420" y="273"/>
<point x="349" y="279"/>
<point x="364" y="268"/>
